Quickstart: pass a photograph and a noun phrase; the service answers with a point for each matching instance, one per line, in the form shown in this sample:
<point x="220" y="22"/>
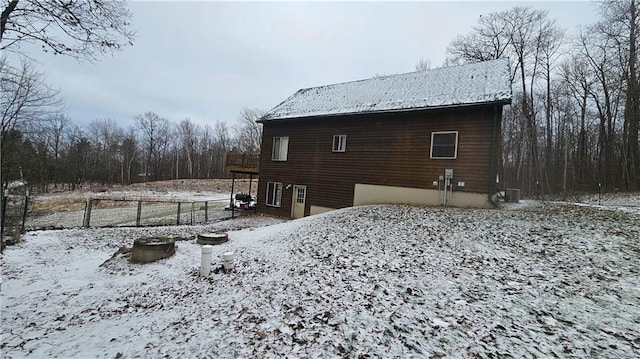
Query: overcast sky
<point x="208" y="60"/>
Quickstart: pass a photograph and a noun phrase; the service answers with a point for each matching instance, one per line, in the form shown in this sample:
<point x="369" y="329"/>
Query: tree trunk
<point x="632" y="105"/>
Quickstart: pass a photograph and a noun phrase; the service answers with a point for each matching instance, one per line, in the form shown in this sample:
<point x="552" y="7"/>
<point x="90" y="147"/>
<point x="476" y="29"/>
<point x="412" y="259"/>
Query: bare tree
<point x="578" y="79"/>
<point x="548" y="47"/>
<point x="80" y="29"/>
<point x="154" y="131"/>
<point x="423" y="65"/>
<point x="106" y="137"/>
<point x="621" y="25"/>
<point x="25" y="98"/>
<point x="632" y="105"/>
<point x="188" y="139"/>
<point x="55" y="128"/>
<point x="249" y="132"/>
<point x="219" y="145"/>
<point x="606" y="94"/>
<point x="24" y="95"/>
<point x="128" y="153"/>
<point x="488" y="40"/>
<point x="524" y="35"/>
<point x="76" y="161"/>
<point x="222" y="135"/>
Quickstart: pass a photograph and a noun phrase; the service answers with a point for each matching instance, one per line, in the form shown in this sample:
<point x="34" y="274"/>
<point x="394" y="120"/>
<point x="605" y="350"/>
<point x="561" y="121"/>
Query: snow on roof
<point x="477" y="83"/>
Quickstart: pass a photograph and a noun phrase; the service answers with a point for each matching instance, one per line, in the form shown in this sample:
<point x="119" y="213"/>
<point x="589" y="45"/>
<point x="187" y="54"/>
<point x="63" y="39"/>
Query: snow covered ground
<point x="630" y="200"/>
<point x="531" y="280"/>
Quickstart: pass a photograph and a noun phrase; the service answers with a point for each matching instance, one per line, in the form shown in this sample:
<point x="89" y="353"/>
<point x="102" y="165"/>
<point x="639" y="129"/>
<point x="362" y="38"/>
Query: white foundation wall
<point x="377" y="194"/>
<point x="317" y="210"/>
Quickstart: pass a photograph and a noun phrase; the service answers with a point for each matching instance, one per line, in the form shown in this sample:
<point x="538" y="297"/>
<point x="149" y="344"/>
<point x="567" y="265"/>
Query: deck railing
<point x="242" y="162"/>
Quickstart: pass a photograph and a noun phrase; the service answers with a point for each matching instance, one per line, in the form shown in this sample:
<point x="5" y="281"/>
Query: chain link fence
<point x="101" y="212"/>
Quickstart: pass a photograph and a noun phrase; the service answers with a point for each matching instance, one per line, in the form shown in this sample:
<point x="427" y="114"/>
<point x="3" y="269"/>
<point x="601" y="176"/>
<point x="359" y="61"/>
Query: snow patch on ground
<point x="531" y="280"/>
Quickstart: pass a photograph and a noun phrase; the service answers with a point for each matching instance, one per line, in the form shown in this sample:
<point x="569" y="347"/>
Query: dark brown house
<point x="427" y="138"/>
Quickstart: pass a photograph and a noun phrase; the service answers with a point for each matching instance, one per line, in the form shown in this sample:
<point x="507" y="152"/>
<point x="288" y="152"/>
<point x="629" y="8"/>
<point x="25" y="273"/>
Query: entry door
<point x="299" y="197"/>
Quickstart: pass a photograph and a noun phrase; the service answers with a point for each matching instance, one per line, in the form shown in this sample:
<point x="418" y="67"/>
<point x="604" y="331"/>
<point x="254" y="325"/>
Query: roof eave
<point x="506" y="101"/>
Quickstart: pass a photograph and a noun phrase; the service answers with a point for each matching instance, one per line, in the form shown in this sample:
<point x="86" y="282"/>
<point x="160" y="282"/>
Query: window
<point x="300" y="194"/>
<point x="279" y="150"/>
<point x="274" y="194"/>
<point x="444" y="145"/>
<point x="339" y="143"/>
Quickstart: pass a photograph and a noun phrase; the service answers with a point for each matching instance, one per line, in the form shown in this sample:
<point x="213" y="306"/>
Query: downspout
<point x="492" y="158"/>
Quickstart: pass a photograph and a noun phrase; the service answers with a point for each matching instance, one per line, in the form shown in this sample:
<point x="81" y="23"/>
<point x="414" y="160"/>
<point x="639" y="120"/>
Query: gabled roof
<point x="477" y="83"/>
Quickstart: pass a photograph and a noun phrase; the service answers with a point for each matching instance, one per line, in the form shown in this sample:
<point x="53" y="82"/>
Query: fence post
<point x="206" y="212"/>
<point x="139" y="212"/>
<point x="87" y="213"/>
<point x="5" y="195"/>
<point x="599" y="194"/>
<point x="178" y="214"/>
<point x="84" y="215"/>
<point x="24" y="213"/>
<point x="233" y="182"/>
<point x="193" y="209"/>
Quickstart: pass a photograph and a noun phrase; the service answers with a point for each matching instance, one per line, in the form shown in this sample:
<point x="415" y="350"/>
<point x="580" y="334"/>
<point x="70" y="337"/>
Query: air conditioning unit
<point x="512" y="195"/>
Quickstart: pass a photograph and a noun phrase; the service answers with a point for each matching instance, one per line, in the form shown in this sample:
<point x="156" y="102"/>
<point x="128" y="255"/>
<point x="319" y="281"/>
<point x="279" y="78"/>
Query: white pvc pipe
<point x="227" y="260"/>
<point x="205" y="266"/>
<point x="446" y="185"/>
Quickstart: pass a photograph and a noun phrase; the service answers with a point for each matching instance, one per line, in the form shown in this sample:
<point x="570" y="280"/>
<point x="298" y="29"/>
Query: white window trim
<point x="455" y="156"/>
<point x="277" y="201"/>
<point x="286" y="149"/>
<point x="343" y="142"/>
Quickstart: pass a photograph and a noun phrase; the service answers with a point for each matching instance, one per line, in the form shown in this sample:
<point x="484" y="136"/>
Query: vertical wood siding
<point x="383" y="149"/>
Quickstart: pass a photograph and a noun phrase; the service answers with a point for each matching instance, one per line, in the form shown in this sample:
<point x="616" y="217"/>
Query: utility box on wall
<point x="448" y="173"/>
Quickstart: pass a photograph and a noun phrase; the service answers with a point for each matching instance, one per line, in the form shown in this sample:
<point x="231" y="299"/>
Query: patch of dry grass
<point x="44" y="205"/>
<point x="76" y="200"/>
